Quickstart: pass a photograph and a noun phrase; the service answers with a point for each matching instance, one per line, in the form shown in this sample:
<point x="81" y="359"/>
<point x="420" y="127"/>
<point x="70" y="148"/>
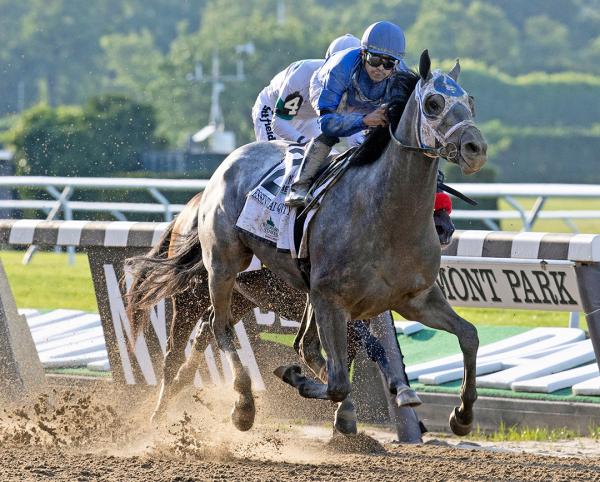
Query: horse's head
<point x="444" y="120"/>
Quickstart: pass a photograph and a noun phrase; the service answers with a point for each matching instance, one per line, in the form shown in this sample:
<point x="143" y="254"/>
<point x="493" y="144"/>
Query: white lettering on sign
<point x="124" y="334"/>
<point x="484" y="283"/>
<point x="268" y="318"/>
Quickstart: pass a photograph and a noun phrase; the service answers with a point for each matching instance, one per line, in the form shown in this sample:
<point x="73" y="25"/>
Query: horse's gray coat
<point x="373" y="248"/>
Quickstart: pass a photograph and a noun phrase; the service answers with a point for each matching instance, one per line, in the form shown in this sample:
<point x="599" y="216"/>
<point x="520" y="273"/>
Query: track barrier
<point x="21" y="373"/>
<point x="480" y="268"/>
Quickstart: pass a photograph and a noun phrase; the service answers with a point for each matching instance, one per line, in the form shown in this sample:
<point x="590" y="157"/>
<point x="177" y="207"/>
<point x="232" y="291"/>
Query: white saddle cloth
<point x="265" y="215"/>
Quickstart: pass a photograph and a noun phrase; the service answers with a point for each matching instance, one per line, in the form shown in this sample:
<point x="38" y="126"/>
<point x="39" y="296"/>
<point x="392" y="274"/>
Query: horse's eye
<point x="434" y="104"/>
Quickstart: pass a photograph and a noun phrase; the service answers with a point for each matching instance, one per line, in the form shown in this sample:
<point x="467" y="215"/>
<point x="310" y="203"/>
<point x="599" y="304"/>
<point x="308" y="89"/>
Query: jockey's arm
<point x="334" y="124"/>
<point x="335" y="80"/>
<point x="285" y="129"/>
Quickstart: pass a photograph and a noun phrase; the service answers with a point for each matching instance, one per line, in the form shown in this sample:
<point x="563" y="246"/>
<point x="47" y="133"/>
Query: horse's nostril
<point x="472" y="148"/>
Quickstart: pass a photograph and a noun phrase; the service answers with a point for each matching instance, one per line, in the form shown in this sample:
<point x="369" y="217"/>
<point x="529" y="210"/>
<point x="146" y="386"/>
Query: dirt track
<point x="67" y="435"/>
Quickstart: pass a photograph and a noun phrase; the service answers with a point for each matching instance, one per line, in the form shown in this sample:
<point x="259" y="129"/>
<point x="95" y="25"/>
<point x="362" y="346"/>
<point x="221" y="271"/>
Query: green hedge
<point x="551" y="154"/>
<point x="537" y="99"/>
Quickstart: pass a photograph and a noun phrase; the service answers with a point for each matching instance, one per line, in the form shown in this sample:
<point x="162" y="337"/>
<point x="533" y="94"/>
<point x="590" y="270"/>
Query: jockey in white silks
<point x="348" y="93"/>
<point x="283" y="109"/>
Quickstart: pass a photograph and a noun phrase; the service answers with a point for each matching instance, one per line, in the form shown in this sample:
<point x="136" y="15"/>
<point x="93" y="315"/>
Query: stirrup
<point x="295" y="199"/>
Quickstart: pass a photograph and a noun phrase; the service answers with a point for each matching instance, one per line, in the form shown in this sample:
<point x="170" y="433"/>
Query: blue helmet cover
<point x="384" y="38"/>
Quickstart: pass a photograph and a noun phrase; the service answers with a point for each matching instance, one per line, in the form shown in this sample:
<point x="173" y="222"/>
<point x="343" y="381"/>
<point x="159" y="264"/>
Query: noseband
<point x="452" y="97"/>
<point x="447" y="151"/>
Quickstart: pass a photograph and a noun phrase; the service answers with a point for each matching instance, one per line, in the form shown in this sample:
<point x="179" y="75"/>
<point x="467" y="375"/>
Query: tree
<point x="132" y="61"/>
<point x="107" y="135"/>
<point x="546" y="46"/>
<point x="480" y="31"/>
<point x="489" y="36"/>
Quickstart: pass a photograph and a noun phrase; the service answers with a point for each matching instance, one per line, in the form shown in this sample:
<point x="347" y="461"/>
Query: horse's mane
<point x="403" y="84"/>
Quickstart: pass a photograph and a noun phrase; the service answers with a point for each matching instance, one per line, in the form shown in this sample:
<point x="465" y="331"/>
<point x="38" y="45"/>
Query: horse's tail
<point x="173" y="266"/>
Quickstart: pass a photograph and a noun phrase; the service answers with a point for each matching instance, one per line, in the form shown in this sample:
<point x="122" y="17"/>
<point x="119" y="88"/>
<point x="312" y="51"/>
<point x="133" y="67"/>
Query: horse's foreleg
<point x="332" y="332"/>
<point x="332" y="325"/>
<point x="405" y="396"/>
<point x="432" y="309"/>
<point x="308" y="345"/>
<point x="345" y="421"/>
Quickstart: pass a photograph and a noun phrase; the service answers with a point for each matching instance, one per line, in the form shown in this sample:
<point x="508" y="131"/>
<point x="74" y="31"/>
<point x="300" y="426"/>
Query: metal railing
<point x="61" y="189"/>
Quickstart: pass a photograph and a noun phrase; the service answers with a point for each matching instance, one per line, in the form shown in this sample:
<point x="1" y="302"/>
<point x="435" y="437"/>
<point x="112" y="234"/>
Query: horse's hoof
<point x="243" y="414"/>
<point x="287" y="372"/>
<point x="345" y="418"/>
<point x="345" y="426"/>
<point x="457" y="427"/>
<point x="408" y="398"/>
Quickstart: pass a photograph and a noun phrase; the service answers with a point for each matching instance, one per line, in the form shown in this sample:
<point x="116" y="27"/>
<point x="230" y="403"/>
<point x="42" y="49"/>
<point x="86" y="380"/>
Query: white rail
<point x="62" y="188"/>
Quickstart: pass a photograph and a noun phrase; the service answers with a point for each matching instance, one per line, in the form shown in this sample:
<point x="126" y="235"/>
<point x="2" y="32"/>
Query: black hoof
<point x="457" y="427"/>
<point x="408" y="398"/>
<point x="345" y="426"/>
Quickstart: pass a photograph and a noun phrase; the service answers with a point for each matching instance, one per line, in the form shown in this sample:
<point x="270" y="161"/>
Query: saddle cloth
<point x="266" y="217"/>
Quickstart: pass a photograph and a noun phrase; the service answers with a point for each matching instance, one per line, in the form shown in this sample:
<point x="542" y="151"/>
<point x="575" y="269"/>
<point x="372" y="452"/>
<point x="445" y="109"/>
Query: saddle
<point x="328" y="177"/>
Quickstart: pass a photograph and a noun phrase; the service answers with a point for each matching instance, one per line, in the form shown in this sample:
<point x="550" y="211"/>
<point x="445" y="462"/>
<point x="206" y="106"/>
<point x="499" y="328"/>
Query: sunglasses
<point x="375" y="60"/>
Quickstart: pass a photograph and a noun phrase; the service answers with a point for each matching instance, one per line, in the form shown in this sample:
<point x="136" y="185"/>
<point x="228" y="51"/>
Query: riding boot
<point x="444" y="226"/>
<point x="315" y="158"/>
<point x="441" y="213"/>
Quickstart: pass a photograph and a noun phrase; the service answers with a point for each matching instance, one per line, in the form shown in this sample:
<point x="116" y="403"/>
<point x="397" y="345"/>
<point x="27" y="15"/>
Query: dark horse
<point x="373" y="245"/>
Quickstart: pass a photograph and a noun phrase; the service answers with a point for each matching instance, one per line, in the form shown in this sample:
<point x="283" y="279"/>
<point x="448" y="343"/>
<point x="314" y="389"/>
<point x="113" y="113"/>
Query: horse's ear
<point x="425" y="66"/>
<point x="455" y="72"/>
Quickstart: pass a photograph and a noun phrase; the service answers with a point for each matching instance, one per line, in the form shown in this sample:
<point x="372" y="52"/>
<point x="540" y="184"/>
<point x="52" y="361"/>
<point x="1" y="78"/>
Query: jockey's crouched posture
<point x="283" y="110"/>
<point x="348" y="93"/>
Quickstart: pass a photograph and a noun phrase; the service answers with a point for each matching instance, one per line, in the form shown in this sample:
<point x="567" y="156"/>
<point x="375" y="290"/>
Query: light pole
<point x="220" y="140"/>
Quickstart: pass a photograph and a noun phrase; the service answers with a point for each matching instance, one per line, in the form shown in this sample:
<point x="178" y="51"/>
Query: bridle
<point x="446" y="150"/>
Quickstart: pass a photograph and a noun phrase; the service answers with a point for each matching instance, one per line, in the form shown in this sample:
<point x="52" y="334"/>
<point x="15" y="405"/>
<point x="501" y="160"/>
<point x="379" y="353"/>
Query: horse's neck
<point x="408" y="180"/>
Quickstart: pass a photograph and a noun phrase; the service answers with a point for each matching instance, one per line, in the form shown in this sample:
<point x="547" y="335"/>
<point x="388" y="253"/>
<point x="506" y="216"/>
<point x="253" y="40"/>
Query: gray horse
<point x="373" y="245"/>
<point x="173" y="269"/>
<point x="385" y="205"/>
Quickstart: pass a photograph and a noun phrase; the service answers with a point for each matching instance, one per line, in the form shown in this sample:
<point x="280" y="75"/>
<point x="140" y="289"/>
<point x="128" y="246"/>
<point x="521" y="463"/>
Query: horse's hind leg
<point x="432" y="309"/>
<point x="186" y="312"/>
<point x="405" y="396"/>
<point x="224" y="261"/>
<point x="204" y="336"/>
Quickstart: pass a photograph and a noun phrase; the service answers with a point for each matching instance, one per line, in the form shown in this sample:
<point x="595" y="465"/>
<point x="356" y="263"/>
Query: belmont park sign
<point x="525" y="284"/>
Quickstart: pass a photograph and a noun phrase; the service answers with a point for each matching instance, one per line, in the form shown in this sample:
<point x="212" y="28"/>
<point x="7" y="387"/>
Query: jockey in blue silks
<point x="348" y="93"/>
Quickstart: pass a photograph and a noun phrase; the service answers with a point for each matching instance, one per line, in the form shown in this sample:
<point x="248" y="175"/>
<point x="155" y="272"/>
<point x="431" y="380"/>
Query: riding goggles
<point x="375" y="60"/>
